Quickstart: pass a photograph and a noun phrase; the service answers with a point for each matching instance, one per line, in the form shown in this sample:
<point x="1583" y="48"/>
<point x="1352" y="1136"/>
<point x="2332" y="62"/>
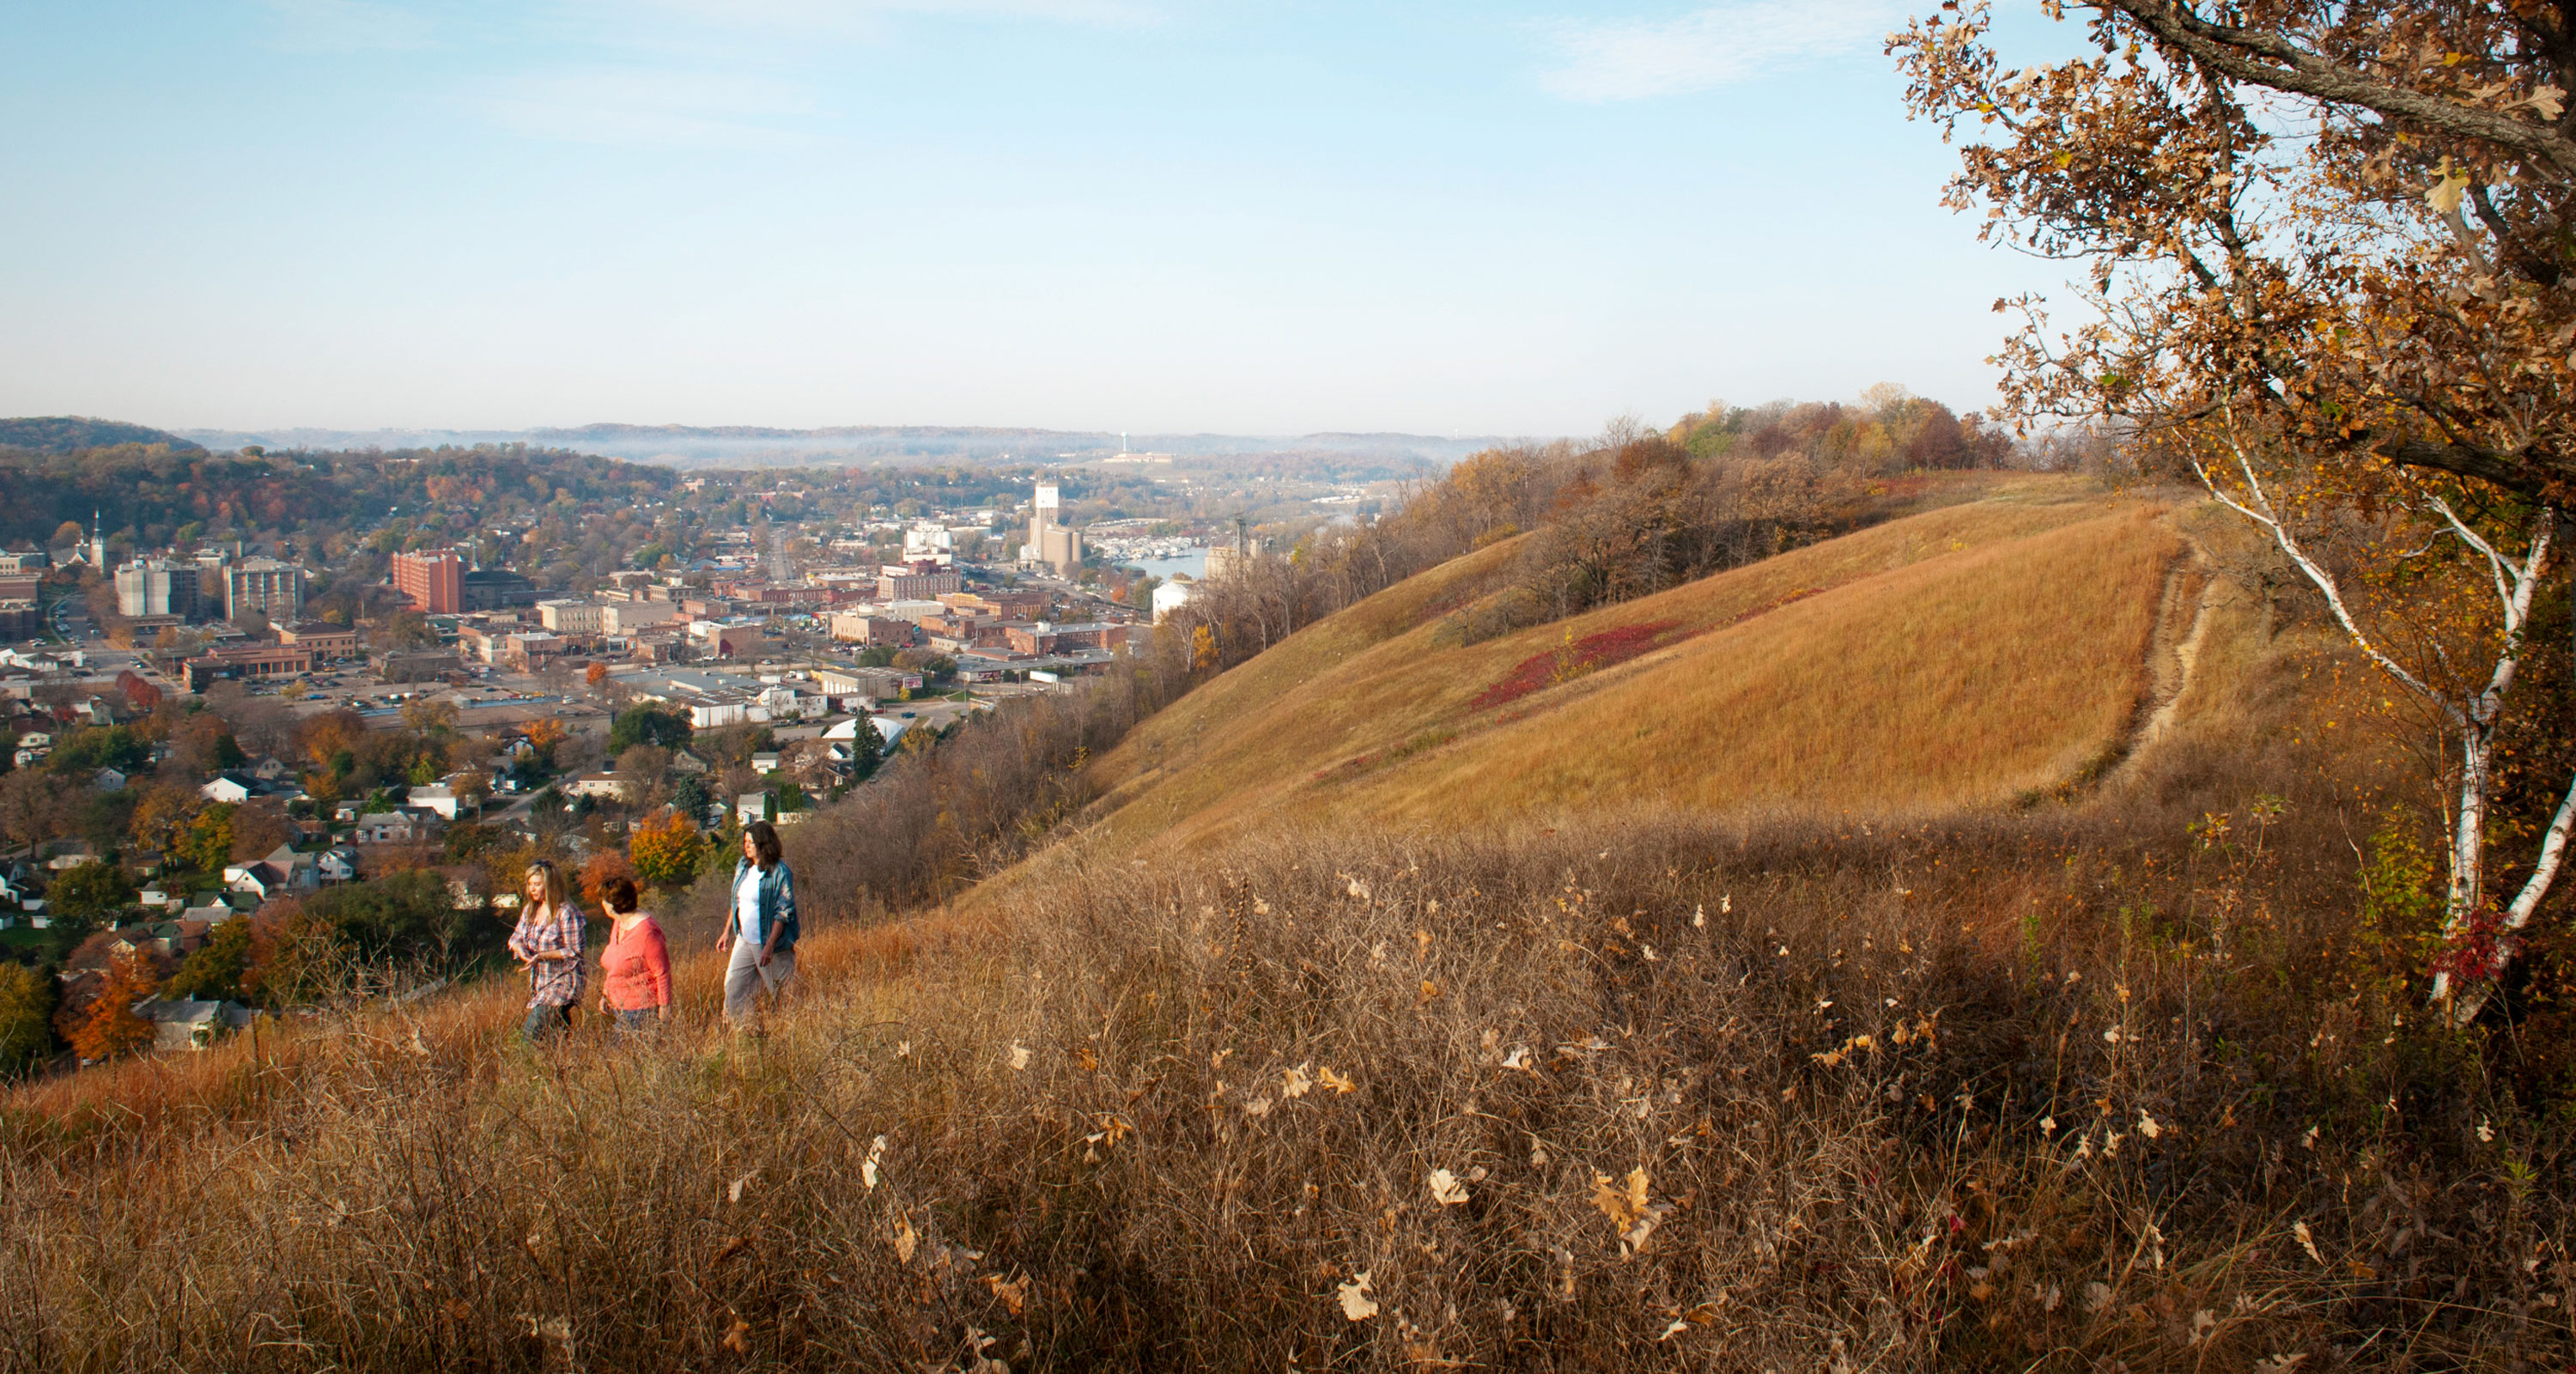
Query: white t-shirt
<point x="746" y="905"/>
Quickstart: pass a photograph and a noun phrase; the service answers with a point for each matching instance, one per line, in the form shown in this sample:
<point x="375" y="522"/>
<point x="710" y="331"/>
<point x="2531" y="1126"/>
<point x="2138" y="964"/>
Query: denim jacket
<point x="777" y="902"/>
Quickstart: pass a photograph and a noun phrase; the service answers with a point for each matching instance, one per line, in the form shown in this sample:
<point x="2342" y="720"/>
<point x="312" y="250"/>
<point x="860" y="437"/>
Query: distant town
<point x="211" y="727"/>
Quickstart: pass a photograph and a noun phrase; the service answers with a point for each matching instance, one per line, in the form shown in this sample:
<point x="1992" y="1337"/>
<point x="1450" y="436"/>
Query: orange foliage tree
<point x="664" y="850"/>
<point x="109" y="1028"/>
<point x="599" y="869"/>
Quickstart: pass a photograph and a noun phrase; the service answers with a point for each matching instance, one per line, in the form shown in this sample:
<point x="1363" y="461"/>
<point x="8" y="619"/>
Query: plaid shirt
<point x="552" y="982"/>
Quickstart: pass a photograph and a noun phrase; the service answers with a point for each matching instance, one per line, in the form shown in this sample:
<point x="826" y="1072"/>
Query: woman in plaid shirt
<point x="548" y="942"/>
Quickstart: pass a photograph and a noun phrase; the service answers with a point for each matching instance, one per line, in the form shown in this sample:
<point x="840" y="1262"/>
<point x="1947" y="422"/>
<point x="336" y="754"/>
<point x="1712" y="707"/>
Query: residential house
<point x="107" y="780"/>
<point x="437" y="796"/>
<point x="396" y="827"/>
<point x="229" y="787"/>
<point x="254" y="879"/>
<point x="336" y="865"/>
<point x="751" y="806"/>
<point x="298" y="872"/>
<point x="598" y="786"/>
<point x="190" y="1023"/>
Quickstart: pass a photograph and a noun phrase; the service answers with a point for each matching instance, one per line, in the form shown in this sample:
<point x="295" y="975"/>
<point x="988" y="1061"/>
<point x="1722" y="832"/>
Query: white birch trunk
<point x="2478" y="942"/>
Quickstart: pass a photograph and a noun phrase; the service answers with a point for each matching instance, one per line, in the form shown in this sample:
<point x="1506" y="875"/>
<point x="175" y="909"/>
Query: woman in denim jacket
<point x="760" y="925"/>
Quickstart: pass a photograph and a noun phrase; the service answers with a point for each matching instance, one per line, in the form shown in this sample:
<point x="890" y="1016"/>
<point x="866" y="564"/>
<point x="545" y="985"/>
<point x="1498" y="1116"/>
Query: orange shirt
<point x="635" y="967"/>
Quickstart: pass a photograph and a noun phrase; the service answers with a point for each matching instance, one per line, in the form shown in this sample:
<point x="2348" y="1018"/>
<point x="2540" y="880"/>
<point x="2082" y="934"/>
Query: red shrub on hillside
<point x="1574" y="658"/>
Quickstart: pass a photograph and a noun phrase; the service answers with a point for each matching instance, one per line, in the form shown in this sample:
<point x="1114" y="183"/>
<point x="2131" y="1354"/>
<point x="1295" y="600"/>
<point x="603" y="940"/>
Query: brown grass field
<point x="1989" y="1051"/>
<point x="1959" y="657"/>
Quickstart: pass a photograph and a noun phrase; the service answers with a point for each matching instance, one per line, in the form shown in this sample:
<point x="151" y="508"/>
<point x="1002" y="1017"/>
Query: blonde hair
<point x="558" y="892"/>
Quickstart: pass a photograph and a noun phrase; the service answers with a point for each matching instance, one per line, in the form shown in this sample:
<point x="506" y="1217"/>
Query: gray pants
<point x="745" y="976"/>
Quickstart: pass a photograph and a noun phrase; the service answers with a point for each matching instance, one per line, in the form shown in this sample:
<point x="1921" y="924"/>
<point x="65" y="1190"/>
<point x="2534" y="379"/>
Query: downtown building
<point x="433" y="580"/>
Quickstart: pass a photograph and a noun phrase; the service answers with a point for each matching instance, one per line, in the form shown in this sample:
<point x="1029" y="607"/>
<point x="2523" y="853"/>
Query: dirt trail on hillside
<point x="2173" y="657"/>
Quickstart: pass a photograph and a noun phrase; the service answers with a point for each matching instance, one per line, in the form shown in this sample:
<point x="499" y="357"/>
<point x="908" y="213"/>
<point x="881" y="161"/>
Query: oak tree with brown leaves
<point x="2328" y="252"/>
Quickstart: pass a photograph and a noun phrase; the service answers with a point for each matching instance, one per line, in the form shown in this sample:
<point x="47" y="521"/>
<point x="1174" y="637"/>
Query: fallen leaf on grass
<point x="738" y="1339"/>
<point x="1356" y="1303"/>
<point x="1014" y="1293"/>
<point x="1337" y="1082"/>
<point x="1446" y="1189"/>
<point x="1622" y="1203"/>
<point x="1019" y="1056"/>
<point x="1294" y="1082"/>
<point x="2307" y="1240"/>
<point x="904" y="1239"/>
<point x="733" y="1190"/>
<point x="868" y="1166"/>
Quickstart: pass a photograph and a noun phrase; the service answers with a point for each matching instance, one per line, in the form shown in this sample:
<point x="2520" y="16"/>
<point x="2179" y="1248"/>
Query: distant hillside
<point x="845" y="445"/>
<point x="1957" y="658"/>
<point x="72" y="433"/>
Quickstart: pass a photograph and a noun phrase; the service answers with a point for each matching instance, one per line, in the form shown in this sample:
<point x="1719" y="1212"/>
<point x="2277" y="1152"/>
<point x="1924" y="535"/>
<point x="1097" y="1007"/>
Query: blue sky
<point x="1154" y="215"/>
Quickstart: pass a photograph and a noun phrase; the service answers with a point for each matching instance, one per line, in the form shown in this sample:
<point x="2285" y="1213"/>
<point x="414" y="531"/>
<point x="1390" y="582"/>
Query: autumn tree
<point x="206" y="842"/>
<point x="599" y="869"/>
<point x="26" y="1017"/>
<point x="474" y="787"/>
<point x="33" y="807"/>
<point x="664" y="850"/>
<point x="162" y="812"/>
<point x="90" y="892"/>
<point x="648" y="723"/>
<point x="546" y="735"/>
<point x="108" y="1028"/>
<point x="2364" y="327"/>
<point x="215" y="968"/>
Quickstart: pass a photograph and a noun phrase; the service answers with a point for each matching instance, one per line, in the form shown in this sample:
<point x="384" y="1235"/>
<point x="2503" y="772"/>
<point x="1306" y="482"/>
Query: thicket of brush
<point x="2122" y="1086"/>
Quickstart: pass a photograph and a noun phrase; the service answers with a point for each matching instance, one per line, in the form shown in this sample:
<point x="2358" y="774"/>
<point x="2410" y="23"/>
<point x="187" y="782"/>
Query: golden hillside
<point x="1957" y="657"/>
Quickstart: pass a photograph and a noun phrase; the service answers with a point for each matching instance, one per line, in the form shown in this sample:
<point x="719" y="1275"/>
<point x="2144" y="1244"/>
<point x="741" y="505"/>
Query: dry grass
<point x="1958" y="656"/>
<point x="2051" y="1089"/>
<point x="1867" y="1095"/>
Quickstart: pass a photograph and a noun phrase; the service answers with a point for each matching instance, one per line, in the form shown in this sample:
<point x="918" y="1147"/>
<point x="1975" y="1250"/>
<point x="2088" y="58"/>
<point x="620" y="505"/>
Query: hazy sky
<point x="1513" y="217"/>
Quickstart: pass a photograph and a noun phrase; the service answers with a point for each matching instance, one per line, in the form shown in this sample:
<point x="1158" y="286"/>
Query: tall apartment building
<point x="265" y="585"/>
<point x="153" y="587"/>
<point x="1057" y="546"/>
<point x="433" y="580"/>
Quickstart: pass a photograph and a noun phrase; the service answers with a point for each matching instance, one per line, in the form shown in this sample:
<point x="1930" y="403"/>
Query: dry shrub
<point x="2058" y="1090"/>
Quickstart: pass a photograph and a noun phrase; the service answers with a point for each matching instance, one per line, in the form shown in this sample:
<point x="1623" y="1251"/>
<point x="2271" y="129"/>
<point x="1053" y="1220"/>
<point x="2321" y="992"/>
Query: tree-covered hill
<point x="150" y="493"/>
<point x="72" y="433"/>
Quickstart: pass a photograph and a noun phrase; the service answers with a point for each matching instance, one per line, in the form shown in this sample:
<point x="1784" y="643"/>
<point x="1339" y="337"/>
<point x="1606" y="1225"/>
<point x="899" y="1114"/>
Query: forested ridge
<point x="151" y="494"/>
<point x="72" y="433"/>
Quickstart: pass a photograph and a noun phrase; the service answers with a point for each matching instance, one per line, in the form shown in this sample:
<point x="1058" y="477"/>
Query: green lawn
<point x="20" y="937"/>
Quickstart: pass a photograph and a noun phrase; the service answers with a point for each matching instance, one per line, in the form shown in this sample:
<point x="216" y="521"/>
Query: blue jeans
<point x="545" y="1022"/>
<point x="638" y="1020"/>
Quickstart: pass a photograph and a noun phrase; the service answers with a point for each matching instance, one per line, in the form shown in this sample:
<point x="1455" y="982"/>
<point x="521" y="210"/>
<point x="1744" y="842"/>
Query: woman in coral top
<point x="635" y="968"/>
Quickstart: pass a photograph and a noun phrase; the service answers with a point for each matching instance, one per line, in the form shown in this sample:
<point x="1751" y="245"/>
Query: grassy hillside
<point x="1817" y="1051"/>
<point x="1959" y="657"/>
